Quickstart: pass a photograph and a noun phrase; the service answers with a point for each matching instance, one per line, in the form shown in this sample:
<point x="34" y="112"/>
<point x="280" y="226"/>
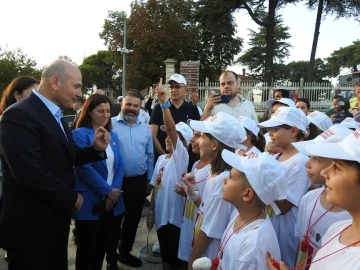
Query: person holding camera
<point x="229" y="100"/>
<point x="340" y="110"/>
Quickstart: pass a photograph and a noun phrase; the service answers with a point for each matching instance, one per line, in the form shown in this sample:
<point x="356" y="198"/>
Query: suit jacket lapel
<point x="50" y="120"/>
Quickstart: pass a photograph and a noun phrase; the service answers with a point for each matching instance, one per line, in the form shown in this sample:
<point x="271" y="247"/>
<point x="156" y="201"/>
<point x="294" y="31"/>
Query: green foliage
<point x="345" y="57"/>
<point x="101" y="69"/>
<point x="255" y="57"/>
<point x="299" y="69"/>
<point x="14" y="63"/>
<point x="158" y="30"/>
<point x="340" y="9"/>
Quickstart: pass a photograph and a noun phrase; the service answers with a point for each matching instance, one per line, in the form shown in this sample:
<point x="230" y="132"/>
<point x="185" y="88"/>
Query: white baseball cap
<point x="350" y="122"/>
<point x="120" y="98"/>
<point x="184" y="129"/>
<point x="290" y="116"/>
<point x="249" y="124"/>
<point x="265" y="174"/>
<point x="223" y="127"/>
<point x="177" y="78"/>
<point x="287" y="101"/>
<point x="320" y="119"/>
<point x="335" y="133"/>
<point x="347" y="149"/>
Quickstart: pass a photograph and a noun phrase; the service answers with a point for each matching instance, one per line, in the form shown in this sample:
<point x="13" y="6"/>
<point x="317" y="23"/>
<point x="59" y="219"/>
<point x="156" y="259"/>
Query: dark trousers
<point x="95" y="238"/>
<point x="52" y="257"/>
<point x="134" y="192"/>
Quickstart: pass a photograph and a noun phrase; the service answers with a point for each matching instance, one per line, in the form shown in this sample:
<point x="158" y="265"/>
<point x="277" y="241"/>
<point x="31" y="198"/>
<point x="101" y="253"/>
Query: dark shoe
<point x="130" y="260"/>
<point x="111" y="266"/>
<point x="146" y="203"/>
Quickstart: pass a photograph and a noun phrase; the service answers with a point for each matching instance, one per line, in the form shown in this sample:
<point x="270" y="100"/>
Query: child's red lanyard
<point x="305" y="242"/>
<point x="328" y="254"/>
<point x="216" y="261"/>
<point x="161" y="171"/>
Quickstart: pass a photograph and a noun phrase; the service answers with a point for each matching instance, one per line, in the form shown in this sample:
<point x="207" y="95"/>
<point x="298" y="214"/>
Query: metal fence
<point x="319" y="94"/>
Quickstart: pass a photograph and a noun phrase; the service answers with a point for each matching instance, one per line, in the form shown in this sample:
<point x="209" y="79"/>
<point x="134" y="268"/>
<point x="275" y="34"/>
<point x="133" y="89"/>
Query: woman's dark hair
<point x="305" y="100"/>
<point x="218" y="165"/>
<point x="314" y="131"/>
<point x="18" y="84"/>
<point x="90" y="104"/>
<point x="258" y="141"/>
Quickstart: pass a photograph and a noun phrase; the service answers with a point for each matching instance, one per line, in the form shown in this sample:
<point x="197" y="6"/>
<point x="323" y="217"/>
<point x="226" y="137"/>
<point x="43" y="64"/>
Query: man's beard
<point x="129" y="118"/>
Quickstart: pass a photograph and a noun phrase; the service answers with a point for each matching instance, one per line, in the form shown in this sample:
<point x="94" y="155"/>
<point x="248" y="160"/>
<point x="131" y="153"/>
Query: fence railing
<point x="319" y="94"/>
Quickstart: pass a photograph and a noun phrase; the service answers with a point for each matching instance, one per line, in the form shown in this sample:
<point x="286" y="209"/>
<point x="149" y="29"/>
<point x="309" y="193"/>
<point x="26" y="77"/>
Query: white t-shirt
<point x="252" y="150"/>
<point x="243" y="108"/>
<point x="318" y="227"/>
<point x="213" y="214"/>
<point x="144" y="116"/>
<point x="284" y="225"/>
<point x="168" y="205"/>
<point x="110" y="164"/>
<point x="246" y="250"/>
<point x="347" y="259"/>
<point x="190" y="213"/>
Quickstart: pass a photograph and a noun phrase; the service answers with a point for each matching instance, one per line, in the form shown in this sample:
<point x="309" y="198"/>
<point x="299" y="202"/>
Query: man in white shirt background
<point x="237" y="105"/>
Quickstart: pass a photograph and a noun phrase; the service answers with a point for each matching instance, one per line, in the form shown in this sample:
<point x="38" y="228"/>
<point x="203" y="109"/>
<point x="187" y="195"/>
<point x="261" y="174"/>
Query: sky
<point x="46" y="29"/>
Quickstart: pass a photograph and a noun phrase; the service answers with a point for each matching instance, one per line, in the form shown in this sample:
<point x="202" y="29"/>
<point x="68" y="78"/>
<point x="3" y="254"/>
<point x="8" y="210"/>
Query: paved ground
<point x="140" y="242"/>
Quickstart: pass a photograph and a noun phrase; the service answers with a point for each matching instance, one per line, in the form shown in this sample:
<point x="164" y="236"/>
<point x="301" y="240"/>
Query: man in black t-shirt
<point x="180" y="110"/>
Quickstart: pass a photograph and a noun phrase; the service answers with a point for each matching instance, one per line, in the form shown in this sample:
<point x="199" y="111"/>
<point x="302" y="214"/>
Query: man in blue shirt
<point x="136" y="146"/>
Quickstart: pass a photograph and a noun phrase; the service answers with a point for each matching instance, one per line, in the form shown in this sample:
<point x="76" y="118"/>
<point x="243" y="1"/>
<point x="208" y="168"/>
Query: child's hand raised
<point x="161" y="93"/>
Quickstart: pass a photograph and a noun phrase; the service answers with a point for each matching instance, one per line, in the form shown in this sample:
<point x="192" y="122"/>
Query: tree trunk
<point x="270" y="34"/>
<point x="315" y="40"/>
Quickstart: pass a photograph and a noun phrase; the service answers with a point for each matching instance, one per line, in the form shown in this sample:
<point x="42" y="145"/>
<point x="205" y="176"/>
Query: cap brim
<point x="270" y="123"/>
<point x="270" y="103"/>
<point x="234" y="160"/>
<point x="300" y="146"/>
<point x="330" y="150"/>
<point x="198" y="126"/>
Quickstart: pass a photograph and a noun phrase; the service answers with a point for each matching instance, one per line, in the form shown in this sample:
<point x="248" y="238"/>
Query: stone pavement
<point x="140" y="242"/>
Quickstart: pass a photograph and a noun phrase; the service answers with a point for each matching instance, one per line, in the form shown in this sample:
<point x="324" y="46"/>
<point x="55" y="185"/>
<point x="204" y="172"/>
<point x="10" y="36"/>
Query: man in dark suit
<point x="39" y="155"/>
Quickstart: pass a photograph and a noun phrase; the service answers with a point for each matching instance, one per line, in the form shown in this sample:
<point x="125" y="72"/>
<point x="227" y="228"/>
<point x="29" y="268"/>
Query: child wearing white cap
<point x="218" y="132"/>
<point x="316" y="214"/>
<point x="340" y="246"/>
<point x="286" y="126"/>
<point x="254" y="182"/>
<point x="350" y="123"/>
<point x="255" y="141"/>
<point x="202" y="172"/>
<point x="166" y="207"/>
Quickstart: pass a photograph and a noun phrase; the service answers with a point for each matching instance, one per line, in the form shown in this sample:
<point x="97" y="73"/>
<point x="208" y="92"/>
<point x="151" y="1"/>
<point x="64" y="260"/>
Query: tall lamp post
<point x="124" y="51"/>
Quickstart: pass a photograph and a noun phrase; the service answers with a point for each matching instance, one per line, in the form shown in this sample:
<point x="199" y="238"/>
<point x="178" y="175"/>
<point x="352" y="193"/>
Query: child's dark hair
<point x="258" y="141"/>
<point x="313" y="132"/>
<point x="218" y="165"/>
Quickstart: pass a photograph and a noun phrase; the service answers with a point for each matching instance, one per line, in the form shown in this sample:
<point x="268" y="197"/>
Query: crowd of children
<point x="289" y="205"/>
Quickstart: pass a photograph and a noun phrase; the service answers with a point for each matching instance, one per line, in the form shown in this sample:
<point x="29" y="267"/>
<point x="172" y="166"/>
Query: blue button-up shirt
<point x="136" y="146"/>
<point x="55" y="110"/>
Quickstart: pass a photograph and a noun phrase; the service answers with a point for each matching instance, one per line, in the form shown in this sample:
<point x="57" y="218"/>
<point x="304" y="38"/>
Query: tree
<point x="299" y="69"/>
<point x="341" y="9"/>
<point x="255" y="56"/>
<point x="102" y="70"/>
<point x="158" y="30"/>
<point x="255" y="8"/>
<point x="14" y="63"/>
<point x="67" y="58"/>
<point x="345" y="57"/>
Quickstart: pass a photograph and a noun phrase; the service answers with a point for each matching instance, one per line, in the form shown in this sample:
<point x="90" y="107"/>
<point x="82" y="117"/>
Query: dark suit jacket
<point x="38" y="188"/>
